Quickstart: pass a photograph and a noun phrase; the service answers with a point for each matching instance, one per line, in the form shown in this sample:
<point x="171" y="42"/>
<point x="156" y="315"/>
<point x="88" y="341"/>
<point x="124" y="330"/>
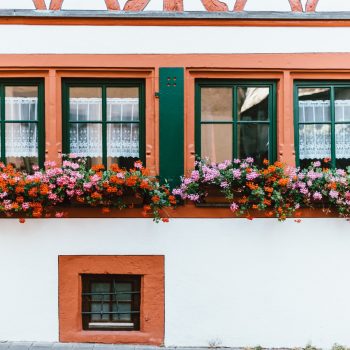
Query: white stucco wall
<point x="154" y="40"/>
<point x="237" y="282"/>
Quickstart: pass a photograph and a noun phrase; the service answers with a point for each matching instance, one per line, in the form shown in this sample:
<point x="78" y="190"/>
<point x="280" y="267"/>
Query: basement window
<point x="111" y="302"/>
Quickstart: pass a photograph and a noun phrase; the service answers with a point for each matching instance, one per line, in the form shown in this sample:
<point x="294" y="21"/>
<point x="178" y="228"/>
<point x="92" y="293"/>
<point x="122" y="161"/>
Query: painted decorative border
<point x="177" y="5"/>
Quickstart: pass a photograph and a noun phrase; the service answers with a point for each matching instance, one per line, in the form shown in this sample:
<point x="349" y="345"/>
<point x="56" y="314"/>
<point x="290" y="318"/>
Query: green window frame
<point x="104" y="84"/>
<point x="40" y="118"/>
<point x="333" y="123"/>
<point x="235" y="122"/>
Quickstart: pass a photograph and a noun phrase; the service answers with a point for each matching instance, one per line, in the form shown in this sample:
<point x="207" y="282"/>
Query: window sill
<point x="188" y="210"/>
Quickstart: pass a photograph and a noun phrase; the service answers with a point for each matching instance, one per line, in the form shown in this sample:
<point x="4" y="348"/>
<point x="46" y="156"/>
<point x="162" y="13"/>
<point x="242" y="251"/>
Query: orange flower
<point x="116" y="180"/>
<point x="96" y="195"/>
<point x="155" y="199"/>
<point x="165" y="219"/>
<point x="33" y="192"/>
<point x="145" y="171"/>
<point x="268" y="189"/>
<point x="111" y="189"/>
<point x="252" y="186"/>
<point x="147" y="208"/>
<point x="243" y="200"/>
<point x="44" y="189"/>
<point x="106" y="210"/>
<point x="145" y="185"/>
<point x="11" y="182"/>
<point x="266" y="162"/>
<point x="271" y="168"/>
<point x="283" y="182"/>
<point x="98" y="167"/>
<point x="115" y="168"/>
<point x="332" y="186"/>
<point x="279" y="164"/>
<point x="326" y="160"/>
<point x="131" y="181"/>
<point x="22" y="220"/>
<point x="254" y="206"/>
<point x="37" y="213"/>
<point x="267" y="202"/>
<point x="172" y="199"/>
<point x="19" y="189"/>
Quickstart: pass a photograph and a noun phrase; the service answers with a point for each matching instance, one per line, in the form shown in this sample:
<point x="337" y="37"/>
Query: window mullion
<point x="270" y="113"/>
<point x="40" y="122"/>
<point x="234" y="115"/>
<point x="2" y="97"/>
<point x="104" y="125"/>
<point x="333" y="153"/>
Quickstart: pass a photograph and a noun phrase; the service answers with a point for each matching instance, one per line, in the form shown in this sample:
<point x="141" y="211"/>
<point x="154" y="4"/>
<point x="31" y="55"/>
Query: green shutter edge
<point x="171" y="124"/>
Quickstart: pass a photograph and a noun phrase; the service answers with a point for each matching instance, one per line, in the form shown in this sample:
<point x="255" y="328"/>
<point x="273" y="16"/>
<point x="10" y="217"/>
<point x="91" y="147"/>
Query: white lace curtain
<point x="315" y="139"/>
<point x="122" y="138"/>
<point x="21" y="139"/>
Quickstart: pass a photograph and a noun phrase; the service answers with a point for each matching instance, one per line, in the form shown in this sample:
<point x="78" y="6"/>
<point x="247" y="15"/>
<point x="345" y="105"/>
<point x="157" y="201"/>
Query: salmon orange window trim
<point x="151" y="270"/>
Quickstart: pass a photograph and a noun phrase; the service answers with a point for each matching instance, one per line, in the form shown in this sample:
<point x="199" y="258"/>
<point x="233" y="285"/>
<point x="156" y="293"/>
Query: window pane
<point x="21" y="103"/>
<point x="123" y="141"/>
<point x="216" y="143"/>
<point x="342" y="104"/>
<point x="216" y="104"/>
<point x="122" y="104"/>
<point x="85" y="104"/>
<point x="253" y="103"/>
<point x="314" y="141"/>
<point x="253" y="141"/>
<point x="314" y="105"/>
<point x="342" y="141"/>
<point x="103" y="301"/>
<point x="85" y="140"/>
<point x="125" y="309"/>
<point x="100" y="307"/>
<point x="100" y="288"/>
<point x="21" y="144"/>
<point x="123" y="291"/>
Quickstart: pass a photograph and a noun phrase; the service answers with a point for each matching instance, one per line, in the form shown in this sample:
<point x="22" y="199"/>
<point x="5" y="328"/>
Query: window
<point x="104" y="121"/>
<point x="111" y="299"/>
<point x="235" y="120"/>
<point x="322" y="123"/>
<point x="111" y="302"/>
<point x="22" y="123"/>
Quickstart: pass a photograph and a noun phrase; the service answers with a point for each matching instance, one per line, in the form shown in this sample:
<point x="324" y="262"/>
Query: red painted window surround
<point x="151" y="268"/>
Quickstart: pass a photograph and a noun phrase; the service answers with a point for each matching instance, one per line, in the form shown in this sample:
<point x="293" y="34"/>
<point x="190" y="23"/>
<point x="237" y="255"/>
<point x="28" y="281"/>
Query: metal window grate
<point x="111" y="302"/>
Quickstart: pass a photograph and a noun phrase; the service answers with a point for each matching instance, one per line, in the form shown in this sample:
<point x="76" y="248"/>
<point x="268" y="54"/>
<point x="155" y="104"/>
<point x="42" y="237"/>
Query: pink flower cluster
<point x="273" y="188"/>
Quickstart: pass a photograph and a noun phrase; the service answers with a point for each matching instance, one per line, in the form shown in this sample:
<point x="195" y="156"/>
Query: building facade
<point x="165" y="82"/>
